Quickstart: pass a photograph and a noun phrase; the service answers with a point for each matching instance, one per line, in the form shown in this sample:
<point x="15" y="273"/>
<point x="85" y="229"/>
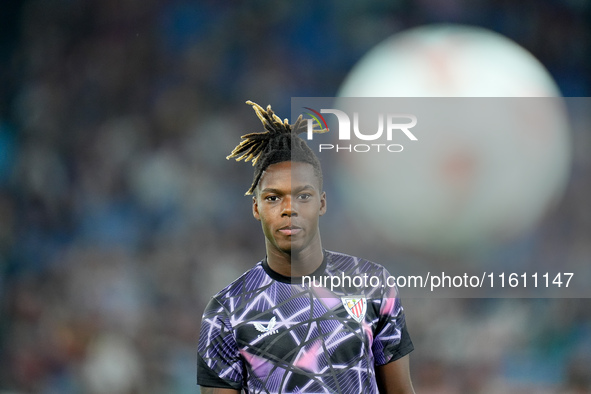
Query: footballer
<point x="268" y="332"/>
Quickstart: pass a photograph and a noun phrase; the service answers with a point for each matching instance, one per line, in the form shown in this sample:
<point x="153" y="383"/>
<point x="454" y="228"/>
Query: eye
<point x="271" y="198"/>
<point x="304" y="196"/>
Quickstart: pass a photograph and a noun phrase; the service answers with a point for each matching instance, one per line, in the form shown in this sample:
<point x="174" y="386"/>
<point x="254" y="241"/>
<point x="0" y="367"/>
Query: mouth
<point x="290" y="230"/>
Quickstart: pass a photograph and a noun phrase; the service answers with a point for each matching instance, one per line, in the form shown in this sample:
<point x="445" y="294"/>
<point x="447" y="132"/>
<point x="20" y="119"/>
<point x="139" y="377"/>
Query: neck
<point x="296" y="263"/>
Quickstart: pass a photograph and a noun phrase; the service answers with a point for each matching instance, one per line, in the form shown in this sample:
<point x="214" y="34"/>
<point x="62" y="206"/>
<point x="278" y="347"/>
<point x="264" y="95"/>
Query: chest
<point x="306" y="332"/>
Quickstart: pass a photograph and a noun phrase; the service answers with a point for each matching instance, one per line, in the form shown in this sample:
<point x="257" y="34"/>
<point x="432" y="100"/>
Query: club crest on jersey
<point x="356" y="306"/>
<point x="270" y="329"/>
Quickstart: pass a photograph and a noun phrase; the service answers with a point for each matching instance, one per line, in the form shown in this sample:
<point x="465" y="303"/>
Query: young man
<point x="271" y="331"/>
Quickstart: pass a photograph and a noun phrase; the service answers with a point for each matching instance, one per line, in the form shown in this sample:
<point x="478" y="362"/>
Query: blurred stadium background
<point x="120" y="217"/>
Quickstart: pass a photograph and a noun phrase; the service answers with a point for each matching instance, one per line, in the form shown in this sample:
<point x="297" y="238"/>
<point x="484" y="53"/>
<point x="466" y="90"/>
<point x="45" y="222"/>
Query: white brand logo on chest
<point x="269" y="330"/>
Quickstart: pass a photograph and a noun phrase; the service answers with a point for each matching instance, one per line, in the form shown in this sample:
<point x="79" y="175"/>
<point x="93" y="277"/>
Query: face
<point x="288" y="203"/>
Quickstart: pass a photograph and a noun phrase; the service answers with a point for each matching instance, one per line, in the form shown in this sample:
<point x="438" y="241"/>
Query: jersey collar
<point x="298" y="279"/>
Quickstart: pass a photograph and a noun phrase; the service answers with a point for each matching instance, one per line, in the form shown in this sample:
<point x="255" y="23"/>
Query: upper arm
<point x="391" y="338"/>
<point x="217" y="390"/>
<point x="394" y="377"/>
<point x="219" y="364"/>
<point x="392" y="342"/>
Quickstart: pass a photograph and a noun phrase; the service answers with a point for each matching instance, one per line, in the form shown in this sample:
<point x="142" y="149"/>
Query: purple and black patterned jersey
<point x="267" y="333"/>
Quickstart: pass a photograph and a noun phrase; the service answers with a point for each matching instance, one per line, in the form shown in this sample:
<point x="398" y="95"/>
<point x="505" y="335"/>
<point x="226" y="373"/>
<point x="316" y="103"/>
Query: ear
<point x="255" y="208"/>
<point x="322" y="204"/>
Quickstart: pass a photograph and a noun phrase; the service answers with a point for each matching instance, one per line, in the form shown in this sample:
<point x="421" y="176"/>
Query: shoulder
<point x="243" y="287"/>
<point x="345" y="263"/>
<point x="361" y="276"/>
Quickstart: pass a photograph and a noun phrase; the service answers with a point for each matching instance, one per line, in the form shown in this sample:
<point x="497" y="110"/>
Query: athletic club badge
<point x="356" y="306"/>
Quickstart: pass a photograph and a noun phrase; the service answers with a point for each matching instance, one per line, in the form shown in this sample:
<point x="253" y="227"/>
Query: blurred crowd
<point x="120" y="217"/>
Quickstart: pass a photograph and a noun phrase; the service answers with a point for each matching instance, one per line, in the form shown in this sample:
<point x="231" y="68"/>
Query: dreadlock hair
<point x="278" y="143"/>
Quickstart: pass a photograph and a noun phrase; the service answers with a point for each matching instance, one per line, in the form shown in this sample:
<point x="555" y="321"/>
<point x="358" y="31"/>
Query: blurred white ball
<point x="483" y="170"/>
<point x="448" y="61"/>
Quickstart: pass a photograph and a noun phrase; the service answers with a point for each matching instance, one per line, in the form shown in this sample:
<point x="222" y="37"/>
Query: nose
<point x="289" y="209"/>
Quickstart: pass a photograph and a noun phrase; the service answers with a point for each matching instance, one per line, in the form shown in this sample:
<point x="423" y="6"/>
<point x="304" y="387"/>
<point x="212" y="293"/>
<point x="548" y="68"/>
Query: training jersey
<point x="268" y="333"/>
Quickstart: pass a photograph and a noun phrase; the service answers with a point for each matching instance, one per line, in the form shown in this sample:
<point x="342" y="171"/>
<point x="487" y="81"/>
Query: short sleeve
<point x="391" y="340"/>
<point x="218" y="361"/>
